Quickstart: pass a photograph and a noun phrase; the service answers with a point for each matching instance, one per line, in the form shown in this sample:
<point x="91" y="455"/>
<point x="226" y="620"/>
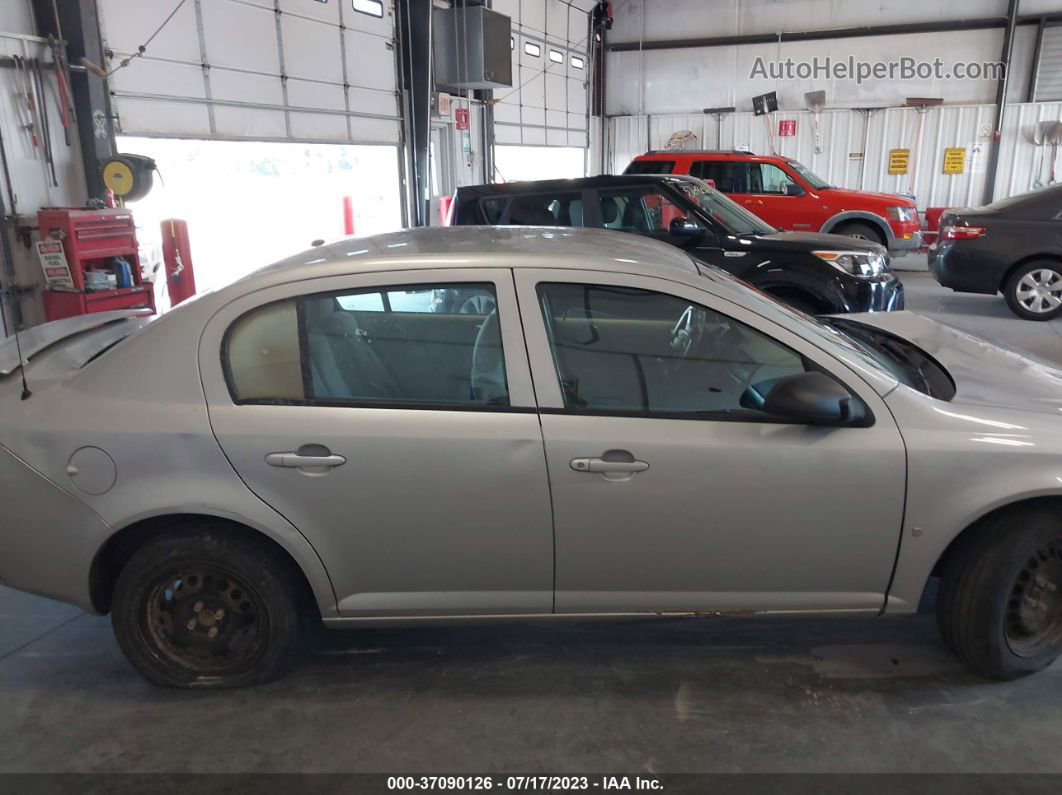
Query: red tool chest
<point x="91" y="240"/>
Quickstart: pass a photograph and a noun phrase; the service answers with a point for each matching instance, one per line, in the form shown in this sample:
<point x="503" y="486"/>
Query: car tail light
<point x="952" y="232"/>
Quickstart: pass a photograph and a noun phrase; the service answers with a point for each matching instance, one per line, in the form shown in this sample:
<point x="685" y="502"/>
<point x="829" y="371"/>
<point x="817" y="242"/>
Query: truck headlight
<point x="864" y="264"/>
<point x="902" y="214"/>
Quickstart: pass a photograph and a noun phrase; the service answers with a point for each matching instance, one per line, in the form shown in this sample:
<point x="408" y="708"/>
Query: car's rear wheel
<point x="1034" y="291"/>
<point x="861" y="231"/>
<point x="204" y="608"/>
<point x="999" y="607"/>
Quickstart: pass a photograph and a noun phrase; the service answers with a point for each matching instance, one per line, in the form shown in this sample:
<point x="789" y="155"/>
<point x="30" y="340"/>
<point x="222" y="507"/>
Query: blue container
<point x="123" y="271"/>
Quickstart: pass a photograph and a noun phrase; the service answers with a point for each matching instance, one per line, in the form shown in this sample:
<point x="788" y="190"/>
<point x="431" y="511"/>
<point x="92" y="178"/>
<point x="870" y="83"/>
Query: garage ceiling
<point x="547" y="104"/>
<point x="308" y="70"/>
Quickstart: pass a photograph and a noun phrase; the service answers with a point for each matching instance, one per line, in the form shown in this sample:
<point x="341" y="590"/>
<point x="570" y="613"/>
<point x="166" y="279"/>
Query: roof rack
<point x="699" y="152"/>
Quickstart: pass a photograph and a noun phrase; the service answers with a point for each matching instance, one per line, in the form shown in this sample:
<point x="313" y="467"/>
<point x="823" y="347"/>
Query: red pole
<point x="177" y="254"/>
<point x="348" y="216"/>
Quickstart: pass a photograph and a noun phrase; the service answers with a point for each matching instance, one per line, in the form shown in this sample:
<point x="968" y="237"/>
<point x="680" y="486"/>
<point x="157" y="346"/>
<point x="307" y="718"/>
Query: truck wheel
<point x="204" y="608"/>
<point x="1034" y="291"/>
<point x="861" y="231"/>
<point x="999" y="607"/>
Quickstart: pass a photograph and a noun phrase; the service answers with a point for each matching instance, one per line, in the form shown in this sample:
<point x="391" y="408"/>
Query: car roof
<point x="481" y="246"/>
<point x="602" y="181"/>
<point x="680" y="154"/>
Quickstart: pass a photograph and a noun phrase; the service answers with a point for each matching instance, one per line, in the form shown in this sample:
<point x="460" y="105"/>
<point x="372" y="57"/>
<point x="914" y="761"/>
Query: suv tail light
<point x="952" y="232"/>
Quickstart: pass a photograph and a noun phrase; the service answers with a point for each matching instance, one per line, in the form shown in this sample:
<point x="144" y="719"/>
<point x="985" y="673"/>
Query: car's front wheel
<point x="202" y="607"/>
<point x="1034" y="291"/>
<point x="999" y="606"/>
<point x="861" y="231"/>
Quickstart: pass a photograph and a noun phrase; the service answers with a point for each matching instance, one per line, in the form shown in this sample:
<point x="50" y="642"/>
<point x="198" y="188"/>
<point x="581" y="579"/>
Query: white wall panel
<point x="311" y="50"/>
<point x="683" y="80"/>
<point x="1022" y="165"/>
<point x="16" y="17"/>
<point x="688" y="79"/>
<point x="245" y="87"/>
<point x="275" y="69"/>
<point x="547" y="103"/>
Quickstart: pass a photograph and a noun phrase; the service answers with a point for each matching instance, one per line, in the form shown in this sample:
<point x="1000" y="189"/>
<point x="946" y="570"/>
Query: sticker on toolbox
<point x="53" y="262"/>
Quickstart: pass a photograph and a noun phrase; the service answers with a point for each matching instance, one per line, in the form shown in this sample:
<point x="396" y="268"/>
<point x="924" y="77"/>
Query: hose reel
<point x="130" y="177"/>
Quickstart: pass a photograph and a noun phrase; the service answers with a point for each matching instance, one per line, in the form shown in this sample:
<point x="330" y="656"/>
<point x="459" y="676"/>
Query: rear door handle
<point x="296" y="461"/>
<point x="603" y="466"/>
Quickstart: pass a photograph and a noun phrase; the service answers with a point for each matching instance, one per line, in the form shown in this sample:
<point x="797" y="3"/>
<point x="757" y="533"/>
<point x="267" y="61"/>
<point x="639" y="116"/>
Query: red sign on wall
<point x="461" y="118"/>
<point x="786" y="128"/>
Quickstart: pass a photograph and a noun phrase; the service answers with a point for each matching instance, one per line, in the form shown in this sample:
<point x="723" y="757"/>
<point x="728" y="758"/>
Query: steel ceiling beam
<point x="906" y="28"/>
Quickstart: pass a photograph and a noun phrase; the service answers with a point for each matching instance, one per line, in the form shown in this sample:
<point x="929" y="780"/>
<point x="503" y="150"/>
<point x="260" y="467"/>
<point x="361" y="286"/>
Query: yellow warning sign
<point x="954" y="159"/>
<point x="899" y="161"/>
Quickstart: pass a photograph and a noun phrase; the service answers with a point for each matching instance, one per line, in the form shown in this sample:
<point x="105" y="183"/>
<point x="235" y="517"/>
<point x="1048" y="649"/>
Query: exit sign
<point x="786" y="128"/>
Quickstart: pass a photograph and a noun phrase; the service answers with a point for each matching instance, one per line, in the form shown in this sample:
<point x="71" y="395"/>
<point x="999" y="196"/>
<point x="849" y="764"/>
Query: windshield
<point x="815" y="182"/>
<point x="734" y="218"/>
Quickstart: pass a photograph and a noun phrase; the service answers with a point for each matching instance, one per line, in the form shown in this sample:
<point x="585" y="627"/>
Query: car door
<point x="390" y="418"/>
<point x="667" y="494"/>
<point x="640" y="208"/>
<point x="766" y="190"/>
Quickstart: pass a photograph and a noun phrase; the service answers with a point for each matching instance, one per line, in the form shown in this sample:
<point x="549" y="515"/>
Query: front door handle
<point x="608" y="467"/>
<point x="296" y="461"/>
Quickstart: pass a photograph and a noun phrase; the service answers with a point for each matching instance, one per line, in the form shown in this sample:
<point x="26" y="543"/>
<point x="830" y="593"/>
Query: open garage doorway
<point x="250" y="203"/>
<point x="515" y="163"/>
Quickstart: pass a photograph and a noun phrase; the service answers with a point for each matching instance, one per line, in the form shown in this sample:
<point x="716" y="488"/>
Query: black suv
<point x="819" y="274"/>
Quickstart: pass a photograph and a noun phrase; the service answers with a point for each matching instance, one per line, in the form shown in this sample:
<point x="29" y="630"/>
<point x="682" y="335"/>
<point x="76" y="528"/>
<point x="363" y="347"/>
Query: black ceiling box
<point x="472" y="48"/>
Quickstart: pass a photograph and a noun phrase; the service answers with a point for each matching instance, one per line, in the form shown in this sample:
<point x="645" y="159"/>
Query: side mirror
<point x="813" y="398"/>
<point x="792" y="189"/>
<point x="685" y="227"/>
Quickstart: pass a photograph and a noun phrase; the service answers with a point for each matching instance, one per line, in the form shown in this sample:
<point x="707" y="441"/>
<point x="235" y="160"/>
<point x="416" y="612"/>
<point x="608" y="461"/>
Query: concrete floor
<point x="715" y="695"/>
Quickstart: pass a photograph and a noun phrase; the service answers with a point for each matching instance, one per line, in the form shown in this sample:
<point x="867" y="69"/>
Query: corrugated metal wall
<point x="1023" y="166"/>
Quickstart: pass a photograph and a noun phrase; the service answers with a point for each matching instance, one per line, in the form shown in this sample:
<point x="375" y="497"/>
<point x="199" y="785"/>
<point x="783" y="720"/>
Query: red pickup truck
<point x="788" y="195"/>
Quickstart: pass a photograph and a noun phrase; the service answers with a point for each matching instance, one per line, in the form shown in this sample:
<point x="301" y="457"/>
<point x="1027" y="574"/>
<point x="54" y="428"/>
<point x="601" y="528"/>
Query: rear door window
<point x="651" y="167"/>
<point x="727" y="175"/>
<point x="559" y="208"/>
<point x="421" y="346"/>
<point x="492" y="209"/>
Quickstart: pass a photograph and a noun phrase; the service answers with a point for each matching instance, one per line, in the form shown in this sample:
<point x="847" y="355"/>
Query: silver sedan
<point x="479" y="422"/>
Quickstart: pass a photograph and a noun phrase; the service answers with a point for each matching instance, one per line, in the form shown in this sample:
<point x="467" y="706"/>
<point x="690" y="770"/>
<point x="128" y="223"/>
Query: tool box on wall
<point x="97" y="244"/>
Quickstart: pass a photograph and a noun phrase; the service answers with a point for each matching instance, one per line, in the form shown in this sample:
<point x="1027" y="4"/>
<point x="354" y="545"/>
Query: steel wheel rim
<point x="207" y="619"/>
<point x="1040" y="290"/>
<point x="859" y="236"/>
<point x="1034" y="606"/>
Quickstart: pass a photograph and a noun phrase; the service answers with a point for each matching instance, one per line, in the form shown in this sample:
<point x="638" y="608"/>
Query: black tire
<point x="995" y="607"/>
<point x="1021" y="294"/>
<point x="204" y="607"/>
<point x="861" y="231"/>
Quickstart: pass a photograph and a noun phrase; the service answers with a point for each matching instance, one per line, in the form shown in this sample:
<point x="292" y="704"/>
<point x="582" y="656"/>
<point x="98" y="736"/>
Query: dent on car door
<point x="390" y="418"/>
<point x="668" y="493"/>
